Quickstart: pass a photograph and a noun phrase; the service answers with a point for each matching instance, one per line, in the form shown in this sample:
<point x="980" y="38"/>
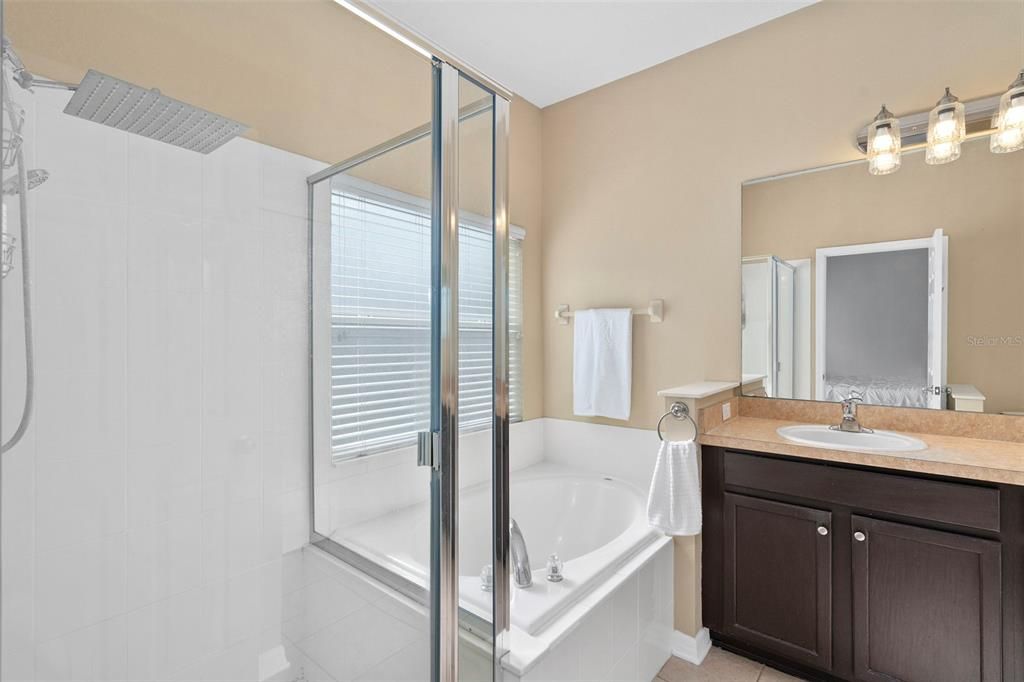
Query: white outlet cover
<point x="726" y="410"/>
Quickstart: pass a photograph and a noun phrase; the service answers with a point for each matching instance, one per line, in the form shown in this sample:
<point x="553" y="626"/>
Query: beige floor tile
<point x="718" y="666"/>
<point x="772" y="675"/>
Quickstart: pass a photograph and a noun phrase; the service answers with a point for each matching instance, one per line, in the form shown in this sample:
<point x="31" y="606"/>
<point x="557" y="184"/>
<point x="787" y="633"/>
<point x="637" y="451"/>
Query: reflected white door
<point x="850" y="356"/>
<point x="937" y="311"/>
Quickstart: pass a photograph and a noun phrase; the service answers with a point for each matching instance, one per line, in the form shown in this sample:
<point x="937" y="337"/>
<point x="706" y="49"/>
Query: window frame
<point x="403" y="201"/>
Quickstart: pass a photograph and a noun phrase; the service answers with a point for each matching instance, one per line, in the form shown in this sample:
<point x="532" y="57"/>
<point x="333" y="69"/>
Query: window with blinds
<point x="380" y="320"/>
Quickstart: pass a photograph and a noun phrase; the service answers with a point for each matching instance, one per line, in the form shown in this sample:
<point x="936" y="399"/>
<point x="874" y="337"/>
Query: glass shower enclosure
<point x="254" y="397"/>
<point x="409" y="254"/>
<point x="768" y="322"/>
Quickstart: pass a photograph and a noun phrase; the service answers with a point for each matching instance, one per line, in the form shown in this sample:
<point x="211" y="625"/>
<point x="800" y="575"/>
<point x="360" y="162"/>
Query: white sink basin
<point x="820" y="436"/>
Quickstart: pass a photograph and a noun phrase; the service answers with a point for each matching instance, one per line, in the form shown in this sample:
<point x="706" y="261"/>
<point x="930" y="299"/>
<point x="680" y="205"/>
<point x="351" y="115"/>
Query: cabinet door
<point x="926" y="604"/>
<point x="778" y="578"/>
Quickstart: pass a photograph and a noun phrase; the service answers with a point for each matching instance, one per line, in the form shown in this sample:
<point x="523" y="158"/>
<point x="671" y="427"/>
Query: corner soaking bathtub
<point x="593" y="523"/>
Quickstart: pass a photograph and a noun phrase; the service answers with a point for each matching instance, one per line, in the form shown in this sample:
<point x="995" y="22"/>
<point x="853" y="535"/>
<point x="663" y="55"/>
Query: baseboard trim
<point x="691" y="649"/>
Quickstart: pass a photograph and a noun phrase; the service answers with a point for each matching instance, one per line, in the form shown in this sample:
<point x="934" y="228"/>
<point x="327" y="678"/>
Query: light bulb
<point x="942" y="151"/>
<point x="1015" y="114"/>
<point x="946" y="130"/>
<point x="883" y="164"/>
<point x="1005" y="139"/>
<point x="1010" y="138"/>
<point x="1009" y="119"/>
<point x="946" y="126"/>
<point x="884" y="143"/>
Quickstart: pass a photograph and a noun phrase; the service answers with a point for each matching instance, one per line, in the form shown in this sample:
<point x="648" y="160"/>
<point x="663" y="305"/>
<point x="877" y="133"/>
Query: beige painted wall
<point x="642" y="176"/>
<point x="979" y="204"/>
<point x="308" y="77"/>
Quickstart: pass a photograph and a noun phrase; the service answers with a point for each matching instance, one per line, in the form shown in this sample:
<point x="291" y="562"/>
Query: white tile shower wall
<point x="166" y="469"/>
<point x="625" y="636"/>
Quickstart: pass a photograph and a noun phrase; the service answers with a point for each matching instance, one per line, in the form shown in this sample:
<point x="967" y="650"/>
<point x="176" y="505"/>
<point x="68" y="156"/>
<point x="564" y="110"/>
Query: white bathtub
<point x="594" y="523"/>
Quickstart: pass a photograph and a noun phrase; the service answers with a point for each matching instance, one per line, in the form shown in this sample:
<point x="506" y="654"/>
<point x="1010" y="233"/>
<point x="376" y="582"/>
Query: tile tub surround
<point x="621" y="631"/>
<point x="166" y="467"/>
<point x="625" y="453"/>
<point x="350" y="492"/>
<point x="970" y="458"/>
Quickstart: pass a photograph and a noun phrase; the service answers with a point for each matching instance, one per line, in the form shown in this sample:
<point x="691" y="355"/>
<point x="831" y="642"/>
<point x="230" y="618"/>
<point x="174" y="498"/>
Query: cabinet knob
<point x="859" y="537"/>
<point x="822" y="530"/>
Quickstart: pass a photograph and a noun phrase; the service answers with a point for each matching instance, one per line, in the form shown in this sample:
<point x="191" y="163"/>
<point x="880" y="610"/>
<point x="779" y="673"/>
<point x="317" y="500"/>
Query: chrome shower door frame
<point x="444" y="389"/>
<point x="501" y="611"/>
<point x="444" y="593"/>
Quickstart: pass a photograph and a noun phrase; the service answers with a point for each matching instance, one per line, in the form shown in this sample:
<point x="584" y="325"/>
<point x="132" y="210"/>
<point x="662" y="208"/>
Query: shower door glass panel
<point x="372" y="375"/>
<point x="476" y="388"/>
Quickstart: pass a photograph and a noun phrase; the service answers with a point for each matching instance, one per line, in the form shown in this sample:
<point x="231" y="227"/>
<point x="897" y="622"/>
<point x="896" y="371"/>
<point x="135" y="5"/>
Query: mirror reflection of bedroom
<point x="893" y="291"/>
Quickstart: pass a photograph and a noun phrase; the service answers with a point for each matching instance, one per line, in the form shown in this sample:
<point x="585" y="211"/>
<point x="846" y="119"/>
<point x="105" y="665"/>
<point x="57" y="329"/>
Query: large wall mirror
<point x="901" y="290"/>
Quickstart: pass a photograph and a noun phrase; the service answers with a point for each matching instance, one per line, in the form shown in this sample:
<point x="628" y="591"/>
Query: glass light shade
<point x="1009" y="119"/>
<point x="946" y="130"/>
<point x="884" y="144"/>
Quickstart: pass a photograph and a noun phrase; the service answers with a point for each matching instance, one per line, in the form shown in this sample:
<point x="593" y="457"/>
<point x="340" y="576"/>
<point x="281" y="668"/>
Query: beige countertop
<point x="981" y="460"/>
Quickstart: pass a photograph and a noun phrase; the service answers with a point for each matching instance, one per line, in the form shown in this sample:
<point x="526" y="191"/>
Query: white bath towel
<point x="602" y="363"/>
<point x="673" y="504"/>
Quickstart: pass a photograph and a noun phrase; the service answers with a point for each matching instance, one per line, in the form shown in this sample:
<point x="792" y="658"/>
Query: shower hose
<point x="26" y="299"/>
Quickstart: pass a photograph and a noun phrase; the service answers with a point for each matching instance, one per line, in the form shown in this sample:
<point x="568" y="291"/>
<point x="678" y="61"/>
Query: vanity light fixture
<point x="941" y="131"/>
<point x="946" y="130"/>
<point x="1008" y="120"/>
<point x="884" y="143"/>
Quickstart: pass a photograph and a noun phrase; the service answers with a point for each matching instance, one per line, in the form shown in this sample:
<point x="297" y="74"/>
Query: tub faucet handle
<point x="487" y="578"/>
<point x="555" y="567"/>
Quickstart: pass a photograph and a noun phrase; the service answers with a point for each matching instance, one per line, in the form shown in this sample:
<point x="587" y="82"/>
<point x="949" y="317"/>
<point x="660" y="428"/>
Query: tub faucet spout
<point x="521" y="573"/>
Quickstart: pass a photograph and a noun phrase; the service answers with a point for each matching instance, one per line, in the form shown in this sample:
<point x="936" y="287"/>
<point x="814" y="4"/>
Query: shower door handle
<point x="427" y="446"/>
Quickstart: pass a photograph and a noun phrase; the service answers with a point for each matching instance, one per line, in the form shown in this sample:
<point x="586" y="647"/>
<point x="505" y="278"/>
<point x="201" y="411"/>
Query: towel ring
<point x="678" y="411"/>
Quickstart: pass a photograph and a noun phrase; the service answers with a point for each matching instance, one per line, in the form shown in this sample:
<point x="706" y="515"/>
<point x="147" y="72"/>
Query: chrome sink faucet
<point x="522" y="576"/>
<point x="849" y="422"/>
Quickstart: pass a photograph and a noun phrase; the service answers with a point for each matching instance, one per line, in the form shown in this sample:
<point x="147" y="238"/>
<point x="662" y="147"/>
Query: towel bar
<point x="655" y="310"/>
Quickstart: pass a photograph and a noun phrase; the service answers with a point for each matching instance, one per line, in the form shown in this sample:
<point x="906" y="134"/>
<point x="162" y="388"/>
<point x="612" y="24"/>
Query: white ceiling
<point x="550" y="51"/>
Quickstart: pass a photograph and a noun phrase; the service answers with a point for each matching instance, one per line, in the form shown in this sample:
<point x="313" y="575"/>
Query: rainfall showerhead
<point x="36" y="177"/>
<point x="113" y="102"/>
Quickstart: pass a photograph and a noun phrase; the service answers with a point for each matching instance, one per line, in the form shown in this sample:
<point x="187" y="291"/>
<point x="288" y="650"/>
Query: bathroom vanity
<point x="832" y="567"/>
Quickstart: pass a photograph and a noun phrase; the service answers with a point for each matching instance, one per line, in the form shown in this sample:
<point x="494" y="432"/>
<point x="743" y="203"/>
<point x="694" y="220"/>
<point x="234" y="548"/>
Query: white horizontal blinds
<point x="515" y="329"/>
<point x="380" y="298"/>
<point x="380" y="331"/>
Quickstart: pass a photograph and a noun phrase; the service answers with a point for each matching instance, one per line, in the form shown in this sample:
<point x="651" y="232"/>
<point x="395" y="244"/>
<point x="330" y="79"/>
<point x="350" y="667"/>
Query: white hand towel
<point x="673" y="504"/>
<point x="602" y="367"/>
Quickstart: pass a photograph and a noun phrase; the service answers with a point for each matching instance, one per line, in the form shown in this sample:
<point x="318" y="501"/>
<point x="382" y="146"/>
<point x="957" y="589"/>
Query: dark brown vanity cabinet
<point x="839" y="572"/>
<point x="926" y="604"/>
<point x="778" y="574"/>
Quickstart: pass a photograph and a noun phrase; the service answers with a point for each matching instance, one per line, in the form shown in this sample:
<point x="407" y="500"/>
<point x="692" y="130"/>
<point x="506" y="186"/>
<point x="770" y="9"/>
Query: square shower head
<point x="113" y="102"/>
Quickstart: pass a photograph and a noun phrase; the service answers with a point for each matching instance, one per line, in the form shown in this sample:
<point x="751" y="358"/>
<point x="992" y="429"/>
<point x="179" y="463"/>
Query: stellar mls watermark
<point x="991" y="341"/>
